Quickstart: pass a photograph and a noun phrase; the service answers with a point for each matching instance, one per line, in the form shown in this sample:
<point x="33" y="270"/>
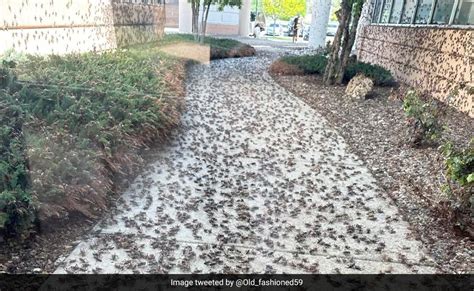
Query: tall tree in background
<point x="273" y="9"/>
<point x="199" y="28"/>
<point x="283" y="9"/>
<point x="335" y="6"/>
<point x="291" y="8"/>
<point x="348" y="17"/>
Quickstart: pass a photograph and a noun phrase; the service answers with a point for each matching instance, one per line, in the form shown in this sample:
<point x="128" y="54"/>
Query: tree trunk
<point x="201" y="24"/>
<point x="204" y="20"/>
<point x="347" y="48"/>
<point x="339" y="72"/>
<point x="343" y="16"/>
<point x="195" y="18"/>
<point x="364" y="20"/>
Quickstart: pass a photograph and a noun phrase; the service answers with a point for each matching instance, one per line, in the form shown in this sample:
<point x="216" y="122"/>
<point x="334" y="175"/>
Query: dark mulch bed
<point x="239" y="51"/>
<point x="376" y="130"/>
<point x="38" y="254"/>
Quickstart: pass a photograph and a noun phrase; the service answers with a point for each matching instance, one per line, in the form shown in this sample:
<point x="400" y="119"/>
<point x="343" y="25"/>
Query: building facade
<point x="172" y="13"/>
<point x="67" y="26"/>
<point x="229" y="21"/>
<point x="427" y="44"/>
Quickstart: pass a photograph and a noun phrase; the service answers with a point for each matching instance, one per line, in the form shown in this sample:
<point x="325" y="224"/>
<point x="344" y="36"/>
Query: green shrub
<point x="459" y="167"/>
<point x="214" y="42"/>
<point x="378" y="74"/>
<point x="72" y="123"/>
<point x="316" y="64"/>
<point x="100" y="97"/>
<point x="6" y="78"/>
<point x="16" y="208"/>
<point x="423" y="118"/>
<point x="310" y="64"/>
<point x="460" y="163"/>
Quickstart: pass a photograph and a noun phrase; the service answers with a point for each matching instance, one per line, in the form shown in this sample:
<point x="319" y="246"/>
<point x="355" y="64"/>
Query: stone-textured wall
<point x="436" y="60"/>
<point x="138" y="23"/>
<point x="67" y="26"/>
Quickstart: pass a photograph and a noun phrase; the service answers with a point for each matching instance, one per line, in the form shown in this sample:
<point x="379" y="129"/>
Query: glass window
<point x="396" y="11"/>
<point x="386" y="11"/>
<point x="465" y="13"/>
<point x="423" y="11"/>
<point x="375" y="17"/>
<point x="442" y="11"/>
<point x="408" y="11"/>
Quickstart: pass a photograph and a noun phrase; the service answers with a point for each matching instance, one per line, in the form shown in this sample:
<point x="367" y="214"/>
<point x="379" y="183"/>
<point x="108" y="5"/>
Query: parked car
<point x="306" y="30"/>
<point x="274" y="29"/>
<point x="332" y="28"/>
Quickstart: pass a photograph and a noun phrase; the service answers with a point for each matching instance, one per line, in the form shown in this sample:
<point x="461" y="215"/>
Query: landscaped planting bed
<point x="84" y="120"/>
<point x="378" y="131"/>
<point x="75" y="130"/>
<point x="316" y="64"/>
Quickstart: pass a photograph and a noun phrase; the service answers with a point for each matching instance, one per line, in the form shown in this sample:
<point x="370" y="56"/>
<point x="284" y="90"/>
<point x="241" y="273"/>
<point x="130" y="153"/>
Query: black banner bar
<point x="237" y="282"/>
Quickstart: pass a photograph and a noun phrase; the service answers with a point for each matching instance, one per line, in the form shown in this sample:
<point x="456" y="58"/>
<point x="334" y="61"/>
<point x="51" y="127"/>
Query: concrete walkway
<point x="254" y="181"/>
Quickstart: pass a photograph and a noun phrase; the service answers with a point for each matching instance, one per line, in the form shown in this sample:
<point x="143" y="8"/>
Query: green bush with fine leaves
<point x="380" y="75"/>
<point x="70" y="124"/>
<point x="316" y="64"/>
<point x="16" y="208"/>
<point x="310" y="64"/>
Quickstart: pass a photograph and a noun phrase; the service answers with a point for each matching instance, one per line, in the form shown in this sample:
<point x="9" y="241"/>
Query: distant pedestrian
<point x="296" y="28"/>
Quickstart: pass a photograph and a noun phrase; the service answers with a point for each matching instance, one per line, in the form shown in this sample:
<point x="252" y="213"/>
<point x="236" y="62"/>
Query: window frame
<point x="375" y="19"/>
<point x="401" y="12"/>
<point x="458" y="10"/>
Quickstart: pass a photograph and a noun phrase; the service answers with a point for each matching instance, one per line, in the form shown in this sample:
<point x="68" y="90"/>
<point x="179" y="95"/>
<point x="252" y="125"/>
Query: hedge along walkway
<point x="254" y="181"/>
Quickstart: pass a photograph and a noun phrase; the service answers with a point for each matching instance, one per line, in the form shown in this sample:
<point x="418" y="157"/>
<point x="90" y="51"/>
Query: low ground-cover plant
<point x="309" y="64"/>
<point x="84" y="121"/>
<point x="316" y="64"/>
<point x="6" y="77"/>
<point x="16" y="207"/>
<point x="380" y="75"/>
<point x="423" y="118"/>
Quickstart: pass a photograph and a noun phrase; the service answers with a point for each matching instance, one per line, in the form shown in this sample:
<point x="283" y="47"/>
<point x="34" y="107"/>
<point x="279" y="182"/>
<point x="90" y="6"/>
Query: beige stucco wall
<point x="222" y="29"/>
<point x="438" y="61"/>
<point x="67" y="26"/>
